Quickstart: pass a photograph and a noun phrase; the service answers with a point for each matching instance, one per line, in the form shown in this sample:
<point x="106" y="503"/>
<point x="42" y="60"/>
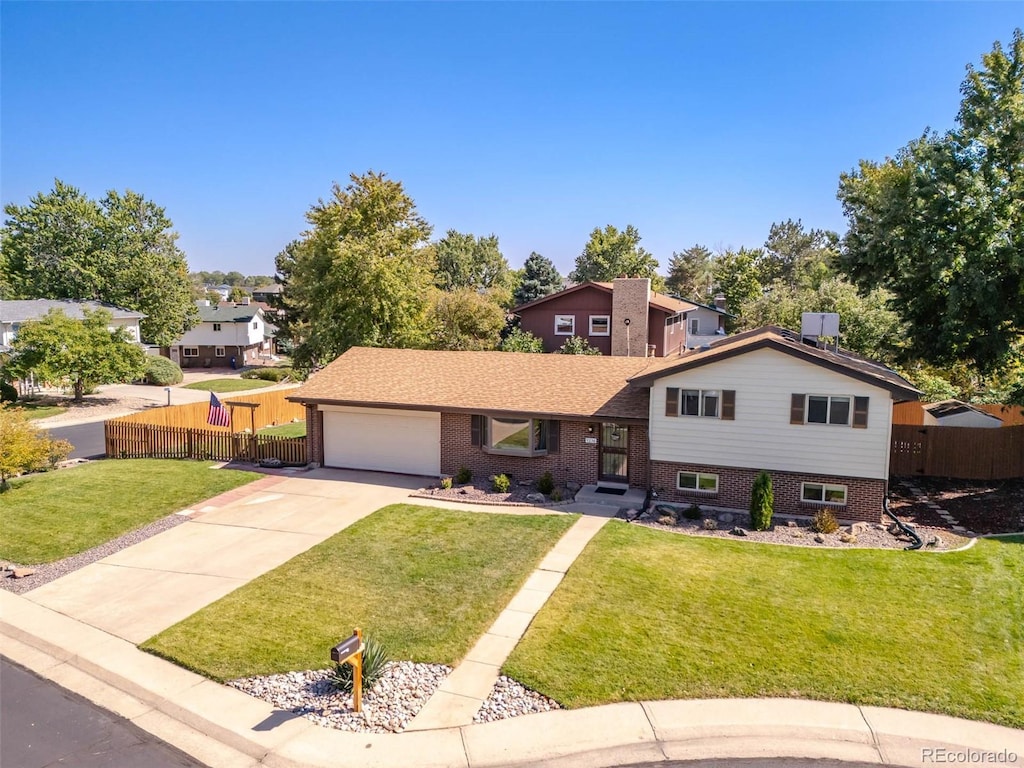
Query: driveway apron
<point x="229" y="541"/>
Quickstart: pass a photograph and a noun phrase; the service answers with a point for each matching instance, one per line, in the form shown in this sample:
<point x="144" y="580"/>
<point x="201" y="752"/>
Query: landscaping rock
<point x="860" y="528"/>
<point x="22" y="573"/>
<point x="631" y="514"/>
<point x="526" y="483"/>
<point x="271" y="463"/>
<point x="511" y="699"/>
<point x="737" y="531"/>
<point x="797" y="533"/>
<point x="791" y="524"/>
<point x="536" y="498"/>
<point x="848" y="538"/>
<point x="819" y="538"/>
<point x="726" y="517"/>
<point x="572" y="487"/>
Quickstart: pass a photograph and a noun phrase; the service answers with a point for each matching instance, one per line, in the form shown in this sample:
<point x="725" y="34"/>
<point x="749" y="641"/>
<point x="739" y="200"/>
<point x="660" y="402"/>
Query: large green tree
<point x="465" y="319"/>
<point x="611" y="253"/>
<point x="797" y="256"/>
<point x="540" y="278"/>
<point x="76" y="353"/>
<point x="120" y="250"/>
<point x="737" y="277"/>
<point x="468" y="261"/>
<point x="941" y="225"/>
<point x="690" y="273"/>
<point x="360" y="276"/>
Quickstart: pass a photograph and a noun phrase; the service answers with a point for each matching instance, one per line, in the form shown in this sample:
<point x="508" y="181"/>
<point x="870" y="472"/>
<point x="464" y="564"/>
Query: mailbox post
<point x="350" y="650"/>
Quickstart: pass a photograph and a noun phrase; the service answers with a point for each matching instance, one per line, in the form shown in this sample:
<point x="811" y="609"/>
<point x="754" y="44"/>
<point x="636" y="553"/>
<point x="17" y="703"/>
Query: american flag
<point x="218" y="415"/>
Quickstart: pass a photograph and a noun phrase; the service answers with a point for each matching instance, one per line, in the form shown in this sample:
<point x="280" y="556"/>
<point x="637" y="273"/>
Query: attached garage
<point x="408" y="442"/>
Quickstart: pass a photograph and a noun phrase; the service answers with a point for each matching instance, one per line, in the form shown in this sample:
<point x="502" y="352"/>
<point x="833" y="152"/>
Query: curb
<point x="225" y="727"/>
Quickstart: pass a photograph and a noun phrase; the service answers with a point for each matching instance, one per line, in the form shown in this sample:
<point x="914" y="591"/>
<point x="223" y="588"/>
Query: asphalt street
<point x="87" y="439"/>
<point x="42" y="724"/>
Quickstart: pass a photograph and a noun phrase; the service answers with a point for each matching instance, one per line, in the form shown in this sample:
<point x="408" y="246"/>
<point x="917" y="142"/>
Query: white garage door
<point x="390" y="441"/>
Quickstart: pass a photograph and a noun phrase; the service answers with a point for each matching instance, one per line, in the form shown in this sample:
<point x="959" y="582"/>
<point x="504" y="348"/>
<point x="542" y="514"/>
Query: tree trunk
<point x="79" y="390"/>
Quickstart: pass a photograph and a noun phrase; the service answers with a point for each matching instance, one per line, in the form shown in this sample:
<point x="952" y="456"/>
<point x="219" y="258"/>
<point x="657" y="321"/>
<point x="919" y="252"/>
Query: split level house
<point x="622" y="318"/>
<point x="694" y="426"/>
<point x="228" y="335"/>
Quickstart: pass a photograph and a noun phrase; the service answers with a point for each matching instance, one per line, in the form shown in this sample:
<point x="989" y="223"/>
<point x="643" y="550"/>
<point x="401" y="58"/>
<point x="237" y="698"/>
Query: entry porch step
<point x="618" y="496"/>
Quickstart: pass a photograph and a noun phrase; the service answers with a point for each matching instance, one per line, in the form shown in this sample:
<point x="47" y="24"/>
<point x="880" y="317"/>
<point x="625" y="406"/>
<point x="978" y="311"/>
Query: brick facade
<point x="575" y="461"/>
<point x="863" y="495"/>
<point x="631" y="299"/>
<point x="315" y="435"/>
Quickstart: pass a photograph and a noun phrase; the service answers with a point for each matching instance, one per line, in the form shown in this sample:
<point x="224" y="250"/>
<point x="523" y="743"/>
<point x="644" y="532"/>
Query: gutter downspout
<point x="918" y="542"/>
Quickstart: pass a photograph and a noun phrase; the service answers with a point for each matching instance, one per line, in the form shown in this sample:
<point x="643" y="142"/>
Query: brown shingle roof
<point x="545" y="385"/>
<point x="658" y="300"/>
<point x="788" y="342"/>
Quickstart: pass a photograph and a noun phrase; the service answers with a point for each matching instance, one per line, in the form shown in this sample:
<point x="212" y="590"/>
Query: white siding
<point x="761" y="436"/>
<point x="231" y="334"/>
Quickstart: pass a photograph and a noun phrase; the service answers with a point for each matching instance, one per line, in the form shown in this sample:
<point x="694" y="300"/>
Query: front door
<point x="614" y="453"/>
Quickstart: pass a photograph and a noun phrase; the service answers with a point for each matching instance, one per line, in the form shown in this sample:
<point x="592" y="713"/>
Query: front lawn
<point x="650" y="615"/>
<point x="47" y="517"/>
<point x="38" y="409"/>
<point x="229" y="385"/>
<point x="425" y="582"/>
<point x="292" y="429"/>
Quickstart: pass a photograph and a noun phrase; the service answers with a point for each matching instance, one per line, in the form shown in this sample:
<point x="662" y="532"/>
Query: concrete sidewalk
<point x="80" y="631"/>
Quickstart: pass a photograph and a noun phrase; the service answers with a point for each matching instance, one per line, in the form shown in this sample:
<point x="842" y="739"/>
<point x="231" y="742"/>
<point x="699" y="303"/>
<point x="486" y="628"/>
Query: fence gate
<point x="966" y="453"/>
<point x="909" y="449"/>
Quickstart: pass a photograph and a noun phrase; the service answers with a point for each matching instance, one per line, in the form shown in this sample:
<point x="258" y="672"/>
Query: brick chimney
<point x="631" y="297"/>
<point x="720" y="302"/>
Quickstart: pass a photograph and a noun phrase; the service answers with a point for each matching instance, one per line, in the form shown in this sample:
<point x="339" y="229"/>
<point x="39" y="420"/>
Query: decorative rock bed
<point x="522" y="493"/>
<point x="390" y="706"/>
<point x="795" y="531"/>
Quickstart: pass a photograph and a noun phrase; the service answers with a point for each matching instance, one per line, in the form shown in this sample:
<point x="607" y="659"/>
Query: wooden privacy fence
<point x="125" y="440"/>
<point x="966" y="453"/>
<point x="912" y="412"/>
<point x="273" y="409"/>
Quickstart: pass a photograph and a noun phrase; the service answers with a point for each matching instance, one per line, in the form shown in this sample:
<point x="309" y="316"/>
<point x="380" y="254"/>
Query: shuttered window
<point x="672" y="401"/>
<point x="796" y="409"/>
<point x="728" y="404"/>
<point x="476" y="430"/>
<point x="553" y="436"/>
<point x="860" y="412"/>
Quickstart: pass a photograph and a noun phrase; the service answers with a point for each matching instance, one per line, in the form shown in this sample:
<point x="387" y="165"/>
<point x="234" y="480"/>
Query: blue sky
<point x="695" y="122"/>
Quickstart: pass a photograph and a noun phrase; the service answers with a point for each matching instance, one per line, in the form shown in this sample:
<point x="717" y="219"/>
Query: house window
<point x="700" y="482"/>
<point x="515" y="435"/>
<point x="218" y="351"/>
<point x="825" y="409"/>
<point x="190" y="351"/>
<point x="565" y="325"/>
<point x="600" y="325"/>
<point x="255" y="324"/>
<point x="823" y="493"/>
<point x="700" y="402"/>
<point x="694" y="325"/>
<point x="216" y="326"/>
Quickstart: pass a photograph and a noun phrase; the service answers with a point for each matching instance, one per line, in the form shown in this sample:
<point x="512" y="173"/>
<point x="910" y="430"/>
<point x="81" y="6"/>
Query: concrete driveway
<point x="144" y="589"/>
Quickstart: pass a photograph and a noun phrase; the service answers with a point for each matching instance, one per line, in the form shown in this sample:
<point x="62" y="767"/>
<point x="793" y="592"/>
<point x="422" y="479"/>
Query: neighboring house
<point x="228" y="335"/>
<point x="622" y="318"/>
<point x="267" y="293"/>
<point x="14" y="313"/>
<point x="693" y="427"/>
<point x="223" y="289"/>
<point x="954" y="413"/>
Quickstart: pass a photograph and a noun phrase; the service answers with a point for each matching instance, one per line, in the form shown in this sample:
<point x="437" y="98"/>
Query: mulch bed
<point x="995" y="506"/>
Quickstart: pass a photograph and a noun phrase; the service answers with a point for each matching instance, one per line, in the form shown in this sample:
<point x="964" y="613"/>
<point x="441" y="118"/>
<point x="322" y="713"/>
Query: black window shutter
<point x="860" y="412"/>
<point x="672" y="401"/>
<point x="553" y="436"/>
<point x="476" y="430"/>
<point x="729" y="404"/>
<point x="796" y="409"/>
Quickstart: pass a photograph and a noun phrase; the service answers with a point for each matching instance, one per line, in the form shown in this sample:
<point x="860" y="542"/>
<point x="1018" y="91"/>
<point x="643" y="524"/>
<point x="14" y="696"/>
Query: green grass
<point x="229" y="385"/>
<point x="425" y="582"/>
<point x="645" y="614"/>
<point x="38" y="410"/>
<point x="50" y="516"/>
<point x="293" y="429"/>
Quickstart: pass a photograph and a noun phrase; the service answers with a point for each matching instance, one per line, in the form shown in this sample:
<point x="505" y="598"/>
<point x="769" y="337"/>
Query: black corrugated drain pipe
<point x="918" y="542"/>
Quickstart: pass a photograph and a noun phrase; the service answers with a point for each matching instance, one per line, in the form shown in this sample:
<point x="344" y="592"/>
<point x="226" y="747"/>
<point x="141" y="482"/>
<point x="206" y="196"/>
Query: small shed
<point x="956" y="413"/>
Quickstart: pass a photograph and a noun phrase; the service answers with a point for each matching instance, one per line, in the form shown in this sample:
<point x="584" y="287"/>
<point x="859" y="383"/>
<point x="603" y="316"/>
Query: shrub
<point x="267" y="374"/>
<point x="463" y="476"/>
<point x="556" y="495"/>
<point x="824" y="522"/>
<point x="162" y="372"/>
<point x="762" y="502"/>
<point x="710" y="524"/>
<point x="374" y="660"/>
<point x="446" y="483"/>
<point x="501" y="483"/>
<point x="692" y="512"/>
<point x="546" y="484"/>
<point x="8" y="394"/>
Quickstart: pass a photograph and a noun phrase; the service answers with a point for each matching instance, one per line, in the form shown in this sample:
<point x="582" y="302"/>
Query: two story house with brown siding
<point x="624" y="318"/>
<point x="694" y="427"/>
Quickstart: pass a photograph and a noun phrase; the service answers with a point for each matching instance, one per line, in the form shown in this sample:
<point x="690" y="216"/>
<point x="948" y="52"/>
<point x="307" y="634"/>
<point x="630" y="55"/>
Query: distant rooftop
<point x="22" y="310"/>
